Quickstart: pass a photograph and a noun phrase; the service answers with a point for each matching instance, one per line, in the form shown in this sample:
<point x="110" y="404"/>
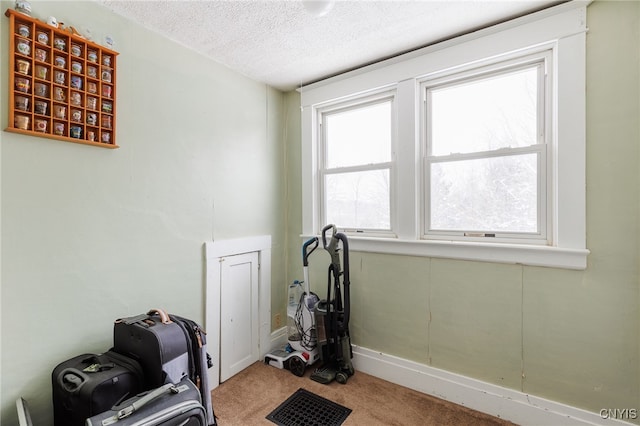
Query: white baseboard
<point x="508" y="404"/>
<point x="278" y="341"/>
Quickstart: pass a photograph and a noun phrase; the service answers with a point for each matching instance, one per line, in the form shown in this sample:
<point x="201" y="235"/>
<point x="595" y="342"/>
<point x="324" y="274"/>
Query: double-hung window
<point x="356" y="165"/>
<point x="470" y="149"/>
<point x="485" y="153"/>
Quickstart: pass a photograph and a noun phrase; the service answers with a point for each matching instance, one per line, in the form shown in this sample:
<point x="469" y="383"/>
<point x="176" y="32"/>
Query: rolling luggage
<point x="90" y="384"/>
<point x="200" y="361"/>
<point x="157" y="343"/>
<point x="169" y="405"/>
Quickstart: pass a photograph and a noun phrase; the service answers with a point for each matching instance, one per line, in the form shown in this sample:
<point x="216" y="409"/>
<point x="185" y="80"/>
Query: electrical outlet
<point x="277" y="320"/>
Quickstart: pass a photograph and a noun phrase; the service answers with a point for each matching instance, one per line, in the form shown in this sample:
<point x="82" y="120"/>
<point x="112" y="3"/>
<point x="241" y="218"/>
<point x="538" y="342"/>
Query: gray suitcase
<point x="157" y="343"/>
<point x="201" y="361"/>
<point x="169" y="405"/>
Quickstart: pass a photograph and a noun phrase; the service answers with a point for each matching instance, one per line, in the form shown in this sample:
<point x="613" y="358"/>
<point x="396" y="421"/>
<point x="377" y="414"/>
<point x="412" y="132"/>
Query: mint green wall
<point x="569" y="336"/>
<point x="292" y="126"/>
<point x="91" y="234"/>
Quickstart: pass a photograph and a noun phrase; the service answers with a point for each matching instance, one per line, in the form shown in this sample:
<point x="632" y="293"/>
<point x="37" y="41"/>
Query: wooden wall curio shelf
<point x="61" y="85"/>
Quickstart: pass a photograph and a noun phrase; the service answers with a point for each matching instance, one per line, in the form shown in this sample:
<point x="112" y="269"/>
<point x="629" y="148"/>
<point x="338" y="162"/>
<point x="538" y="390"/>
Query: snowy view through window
<point x="482" y="167"/>
<point x="358" y="155"/>
<point x="482" y="176"/>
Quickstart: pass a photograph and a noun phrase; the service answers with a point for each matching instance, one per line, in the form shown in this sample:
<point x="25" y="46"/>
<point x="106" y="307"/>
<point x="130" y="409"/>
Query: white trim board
<point x="214" y="251"/>
<point x="508" y="404"/>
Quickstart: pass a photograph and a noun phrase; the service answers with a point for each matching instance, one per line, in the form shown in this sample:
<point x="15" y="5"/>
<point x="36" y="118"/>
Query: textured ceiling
<point x="284" y="45"/>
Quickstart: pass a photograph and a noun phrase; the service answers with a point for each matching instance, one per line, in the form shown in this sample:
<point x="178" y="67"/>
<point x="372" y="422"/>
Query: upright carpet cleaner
<point x="302" y="348"/>
<point x="332" y="315"/>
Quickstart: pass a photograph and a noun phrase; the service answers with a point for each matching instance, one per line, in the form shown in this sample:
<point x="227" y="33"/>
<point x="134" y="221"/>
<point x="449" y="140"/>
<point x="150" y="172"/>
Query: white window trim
<point x="563" y="28"/>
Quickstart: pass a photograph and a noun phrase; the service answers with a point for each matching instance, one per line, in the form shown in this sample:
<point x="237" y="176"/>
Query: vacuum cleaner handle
<point x="306" y="252"/>
<point x="324" y="236"/>
<point x="332" y="245"/>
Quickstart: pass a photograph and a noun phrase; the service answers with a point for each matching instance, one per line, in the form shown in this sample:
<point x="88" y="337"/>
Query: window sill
<point x="552" y="257"/>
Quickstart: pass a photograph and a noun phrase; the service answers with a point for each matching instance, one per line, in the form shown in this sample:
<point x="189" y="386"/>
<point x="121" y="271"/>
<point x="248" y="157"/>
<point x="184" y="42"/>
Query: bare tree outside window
<point x="482" y="175"/>
<point x="357" y="158"/>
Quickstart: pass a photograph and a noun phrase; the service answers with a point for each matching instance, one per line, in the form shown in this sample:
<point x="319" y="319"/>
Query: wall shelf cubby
<point x="61" y="86"/>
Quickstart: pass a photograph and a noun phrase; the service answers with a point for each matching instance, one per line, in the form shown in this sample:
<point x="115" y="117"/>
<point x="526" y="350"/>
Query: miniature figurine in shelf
<point x="73" y="31"/>
<point x="51" y="20"/>
<point x="23" y="6"/>
<point x="70" y="30"/>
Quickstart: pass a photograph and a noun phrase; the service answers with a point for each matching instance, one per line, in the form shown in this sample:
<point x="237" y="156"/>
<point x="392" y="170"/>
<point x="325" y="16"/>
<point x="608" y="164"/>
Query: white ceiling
<point x="281" y="43"/>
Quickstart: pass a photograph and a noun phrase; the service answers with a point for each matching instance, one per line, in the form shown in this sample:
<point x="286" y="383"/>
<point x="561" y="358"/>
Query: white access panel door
<point x="239" y="316"/>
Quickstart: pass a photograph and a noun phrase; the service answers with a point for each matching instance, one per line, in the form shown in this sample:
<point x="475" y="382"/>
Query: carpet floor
<point x="248" y="397"/>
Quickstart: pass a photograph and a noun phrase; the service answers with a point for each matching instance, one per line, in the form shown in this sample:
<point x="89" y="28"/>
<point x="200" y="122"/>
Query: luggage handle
<point x="164" y="317"/>
<point x="96" y="363"/>
<point x="72" y="379"/>
<point x="156" y="393"/>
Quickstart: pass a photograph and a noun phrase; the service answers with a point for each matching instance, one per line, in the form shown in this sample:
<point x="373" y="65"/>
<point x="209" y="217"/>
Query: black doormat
<point x="304" y="408"/>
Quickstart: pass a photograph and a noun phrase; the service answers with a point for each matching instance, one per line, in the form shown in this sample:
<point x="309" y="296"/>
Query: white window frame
<point x="543" y="62"/>
<point x="323" y="171"/>
<point x="560" y="30"/>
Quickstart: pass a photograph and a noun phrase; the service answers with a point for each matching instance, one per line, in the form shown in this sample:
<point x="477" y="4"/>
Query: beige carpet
<point x="248" y="397"/>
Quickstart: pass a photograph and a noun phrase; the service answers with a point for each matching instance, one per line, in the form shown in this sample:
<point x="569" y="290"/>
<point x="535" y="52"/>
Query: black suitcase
<point x="90" y="384"/>
<point x="169" y="405"/>
<point x="157" y="343"/>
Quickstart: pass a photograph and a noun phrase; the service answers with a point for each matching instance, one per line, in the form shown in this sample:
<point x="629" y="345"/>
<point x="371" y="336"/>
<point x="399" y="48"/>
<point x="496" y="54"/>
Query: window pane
<point x="487" y="114"/>
<point x="358" y="200"/>
<point x="358" y="136"/>
<point x="490" y="194"/>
